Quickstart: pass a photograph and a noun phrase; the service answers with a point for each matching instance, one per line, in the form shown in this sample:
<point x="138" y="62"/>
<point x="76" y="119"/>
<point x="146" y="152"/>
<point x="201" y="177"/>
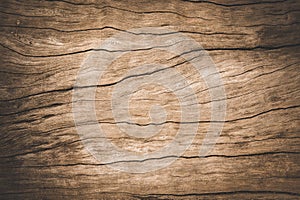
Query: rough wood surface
<point x="255" y="46"/>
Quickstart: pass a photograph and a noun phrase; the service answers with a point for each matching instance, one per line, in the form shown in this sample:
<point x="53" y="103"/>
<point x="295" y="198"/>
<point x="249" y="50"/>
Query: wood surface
<point x="254" y="45"/>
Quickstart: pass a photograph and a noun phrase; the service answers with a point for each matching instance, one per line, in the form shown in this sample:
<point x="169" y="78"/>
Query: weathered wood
<point x="254" y="45"/>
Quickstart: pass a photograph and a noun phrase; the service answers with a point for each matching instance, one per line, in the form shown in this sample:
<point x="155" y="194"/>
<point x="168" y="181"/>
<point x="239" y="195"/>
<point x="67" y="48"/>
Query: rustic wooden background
<point x="255" y="46"/>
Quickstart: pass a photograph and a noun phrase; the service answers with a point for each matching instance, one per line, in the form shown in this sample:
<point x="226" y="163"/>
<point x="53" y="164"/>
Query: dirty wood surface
<point x="254" y="45"/>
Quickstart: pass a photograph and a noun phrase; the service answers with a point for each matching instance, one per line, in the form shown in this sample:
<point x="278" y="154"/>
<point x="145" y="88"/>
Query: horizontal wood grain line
<point x="153" y="195"/>
<point x="64" y="143"/>
<point x="127" y="31"/>
<point x="156" y="124"/>
<point x="195" y="1"/>
<point x="225" y="193"/>
<point x="271" y="25"/>
<point x="148" y="159"/>
<point x="144" y="12"/>
<point x="120" y="9"/>
<point x="166" y="68"/>
<point x="151" y="48"/>
<point x="41" y="93"/>
<point x="159" y="70"/>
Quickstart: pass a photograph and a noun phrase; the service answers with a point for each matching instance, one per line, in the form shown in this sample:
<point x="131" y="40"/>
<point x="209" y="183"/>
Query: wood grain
<point x="255" y="46"/>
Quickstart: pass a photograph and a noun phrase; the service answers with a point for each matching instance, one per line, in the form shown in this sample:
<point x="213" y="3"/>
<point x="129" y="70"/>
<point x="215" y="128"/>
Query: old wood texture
<point x="254" y="45"/>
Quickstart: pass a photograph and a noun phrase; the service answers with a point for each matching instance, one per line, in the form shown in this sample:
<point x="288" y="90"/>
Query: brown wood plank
<point x="255" y="47"/>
